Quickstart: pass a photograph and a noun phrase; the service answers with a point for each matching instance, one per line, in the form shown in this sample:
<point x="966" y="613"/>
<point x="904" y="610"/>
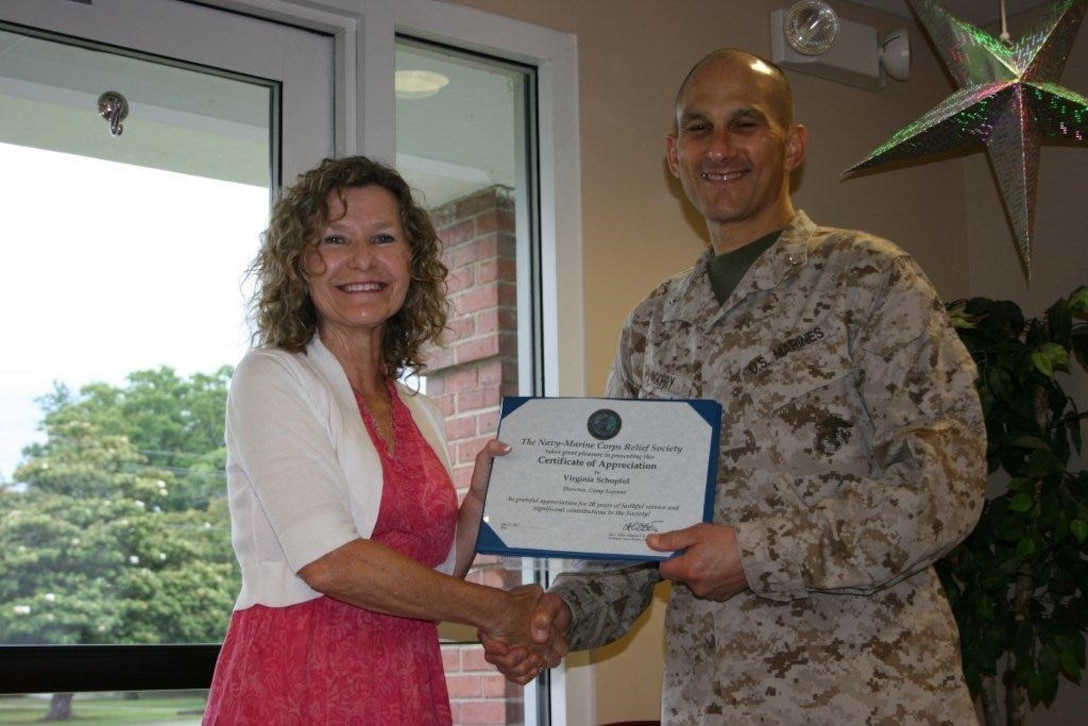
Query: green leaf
<point x="1071" y="666"/>
<point x="994" y="579"/>
<point x="1078" y="300"/>
<point x="1043" y="364"/>
<point x="1072" y="644"/>
<point x="958" y="316"/>
<point x="1049" y="356"/>
<point x="1010" y="529"/>
<point x="1000" y="383"/>
<point x="984" y="608"/>
<point x="1061" y="530"/>
<point x="1030" y="442"/>
<point x="1036" y="687"/>
<point x="1026" y="549"/>
<point x="1041" y="463"/>
<point x="973" y="678"/>
<point x="1049" y="659"/>
<point x="1079" y="528"/>
<point x="1022" y="502"/>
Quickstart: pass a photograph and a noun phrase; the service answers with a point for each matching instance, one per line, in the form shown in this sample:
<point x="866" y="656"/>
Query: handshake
<point x="531" y="636"/>
<point x="529" y="632"/>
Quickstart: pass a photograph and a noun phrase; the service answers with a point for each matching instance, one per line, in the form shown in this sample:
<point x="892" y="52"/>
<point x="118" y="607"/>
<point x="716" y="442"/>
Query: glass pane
<point x="463" y="140"/>
<point x="123" y="295"/>
<point x="141" y="708"/>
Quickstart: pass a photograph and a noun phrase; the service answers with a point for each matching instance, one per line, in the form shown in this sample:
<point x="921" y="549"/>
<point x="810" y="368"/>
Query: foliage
<point x="1019" y="584"/>
<point x="115" y="529"/>
<point x="174" y="424"/>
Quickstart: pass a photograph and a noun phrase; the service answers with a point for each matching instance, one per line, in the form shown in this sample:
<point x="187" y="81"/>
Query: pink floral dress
<point x="326" y="662"/>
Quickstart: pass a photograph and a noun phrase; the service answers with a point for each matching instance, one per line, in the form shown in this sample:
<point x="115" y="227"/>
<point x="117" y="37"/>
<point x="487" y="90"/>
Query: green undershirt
<point x="727" y="269"/>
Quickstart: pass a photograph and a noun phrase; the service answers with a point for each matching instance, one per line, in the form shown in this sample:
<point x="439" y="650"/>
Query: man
<point x="852" y="453"/>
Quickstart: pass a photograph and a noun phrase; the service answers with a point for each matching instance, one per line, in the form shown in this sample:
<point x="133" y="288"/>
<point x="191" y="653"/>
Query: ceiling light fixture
<point x="418" y="84"/>
<point x="810" y="37"/>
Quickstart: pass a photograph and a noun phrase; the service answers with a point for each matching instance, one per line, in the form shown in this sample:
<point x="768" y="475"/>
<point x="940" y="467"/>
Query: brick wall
<point x="468" y="377"/>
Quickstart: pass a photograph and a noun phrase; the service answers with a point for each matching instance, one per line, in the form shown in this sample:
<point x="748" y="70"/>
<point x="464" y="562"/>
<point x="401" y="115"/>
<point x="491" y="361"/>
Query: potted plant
<point x="1018" y="585"/>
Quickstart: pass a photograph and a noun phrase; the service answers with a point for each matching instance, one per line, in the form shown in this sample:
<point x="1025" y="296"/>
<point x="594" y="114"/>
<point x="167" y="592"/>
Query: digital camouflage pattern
<point x="852" y="457"/>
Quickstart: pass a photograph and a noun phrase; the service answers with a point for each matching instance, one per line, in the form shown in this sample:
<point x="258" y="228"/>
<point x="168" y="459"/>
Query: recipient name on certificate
<point x="590" y="478"/>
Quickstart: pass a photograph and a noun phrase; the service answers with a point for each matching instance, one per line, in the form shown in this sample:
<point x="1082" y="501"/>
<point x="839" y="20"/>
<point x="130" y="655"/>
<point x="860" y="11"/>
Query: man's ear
<point x="670" y="155"/>
<point x="796" y="144"/>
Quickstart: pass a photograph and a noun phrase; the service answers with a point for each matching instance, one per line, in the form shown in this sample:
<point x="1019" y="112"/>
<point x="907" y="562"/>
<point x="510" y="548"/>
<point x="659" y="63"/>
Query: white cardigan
<point x="303" y="476"/>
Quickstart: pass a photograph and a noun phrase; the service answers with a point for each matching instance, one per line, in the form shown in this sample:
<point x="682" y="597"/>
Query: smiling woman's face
<point x="359" y="274"/>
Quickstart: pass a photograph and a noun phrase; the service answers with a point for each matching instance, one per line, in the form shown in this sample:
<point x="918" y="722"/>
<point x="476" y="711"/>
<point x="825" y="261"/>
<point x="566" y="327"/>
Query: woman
<point x="345" y="522"/>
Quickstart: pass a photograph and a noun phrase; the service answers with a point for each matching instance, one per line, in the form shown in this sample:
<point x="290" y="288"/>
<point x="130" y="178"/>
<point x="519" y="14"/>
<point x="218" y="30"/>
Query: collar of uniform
<point x="784" y="259"/>
<point x="692" y="296"/>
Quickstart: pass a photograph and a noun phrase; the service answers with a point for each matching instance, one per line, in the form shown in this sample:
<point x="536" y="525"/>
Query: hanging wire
<point x="1005" y="37"/>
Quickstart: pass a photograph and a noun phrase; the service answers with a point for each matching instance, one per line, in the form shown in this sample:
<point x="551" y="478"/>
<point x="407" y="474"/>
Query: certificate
<point x="589" y="478"/>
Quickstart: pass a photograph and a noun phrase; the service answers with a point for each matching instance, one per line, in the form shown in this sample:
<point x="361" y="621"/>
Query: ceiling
<point x="976" y="12"/>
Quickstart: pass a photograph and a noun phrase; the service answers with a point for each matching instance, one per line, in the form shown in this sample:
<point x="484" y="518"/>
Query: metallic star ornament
<point x="1008" y="99"/>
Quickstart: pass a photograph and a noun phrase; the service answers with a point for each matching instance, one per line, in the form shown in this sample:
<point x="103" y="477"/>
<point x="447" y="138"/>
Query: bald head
<point x="733" y="60"/>
<point x="735" y="145"/>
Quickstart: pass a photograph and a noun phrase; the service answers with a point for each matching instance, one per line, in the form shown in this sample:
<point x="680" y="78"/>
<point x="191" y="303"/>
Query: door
<point x="125" y="242"/>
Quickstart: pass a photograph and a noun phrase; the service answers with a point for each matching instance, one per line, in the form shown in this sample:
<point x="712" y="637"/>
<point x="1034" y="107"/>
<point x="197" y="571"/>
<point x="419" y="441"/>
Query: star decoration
<point x="1008" y="98"/>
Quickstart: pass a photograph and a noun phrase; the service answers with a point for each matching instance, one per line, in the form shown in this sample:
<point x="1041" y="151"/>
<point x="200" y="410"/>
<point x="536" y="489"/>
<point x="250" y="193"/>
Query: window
<point x="122" y="272"/>
<point x="465" y="140"/>
<point x="337" y="95"/>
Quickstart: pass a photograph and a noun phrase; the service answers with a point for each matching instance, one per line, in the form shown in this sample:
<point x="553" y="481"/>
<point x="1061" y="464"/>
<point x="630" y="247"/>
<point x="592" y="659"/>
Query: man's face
<point x="733" y="150"/>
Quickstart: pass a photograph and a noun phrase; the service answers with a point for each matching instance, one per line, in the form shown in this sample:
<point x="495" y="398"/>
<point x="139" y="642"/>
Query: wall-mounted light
<point x="811" y="37"/>
<point x="418" y="84"/>
<point x="810" y="27"/>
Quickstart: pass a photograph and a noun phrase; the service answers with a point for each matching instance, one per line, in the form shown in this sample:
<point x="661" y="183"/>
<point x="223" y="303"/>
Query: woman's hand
<point x="522" y="663"/>
<point x="516" y="626"/>
<point x="481" y="471"/>
<point x="472" y="507"/>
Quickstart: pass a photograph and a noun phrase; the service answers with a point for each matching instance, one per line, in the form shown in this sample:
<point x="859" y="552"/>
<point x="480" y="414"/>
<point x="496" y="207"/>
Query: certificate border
<point x="489" y="543"/>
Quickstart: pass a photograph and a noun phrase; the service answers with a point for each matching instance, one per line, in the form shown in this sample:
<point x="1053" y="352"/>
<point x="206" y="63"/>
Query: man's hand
<point x="548" y="631"/>
<point x="710" y="565"/>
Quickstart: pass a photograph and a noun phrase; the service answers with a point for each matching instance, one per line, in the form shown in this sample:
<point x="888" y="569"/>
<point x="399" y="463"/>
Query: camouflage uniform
<point x="852" y="456"/>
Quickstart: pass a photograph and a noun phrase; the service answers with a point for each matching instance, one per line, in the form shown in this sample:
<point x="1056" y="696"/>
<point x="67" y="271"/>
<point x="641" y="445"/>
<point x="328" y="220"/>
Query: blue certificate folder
<point x="589" y="478"/>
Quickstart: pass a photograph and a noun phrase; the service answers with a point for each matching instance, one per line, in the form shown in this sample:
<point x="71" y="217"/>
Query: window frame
<point x="80" y="668"/>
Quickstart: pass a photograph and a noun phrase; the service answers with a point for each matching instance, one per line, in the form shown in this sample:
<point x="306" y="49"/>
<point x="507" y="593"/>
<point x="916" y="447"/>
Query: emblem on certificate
<point x="590" y="478"/>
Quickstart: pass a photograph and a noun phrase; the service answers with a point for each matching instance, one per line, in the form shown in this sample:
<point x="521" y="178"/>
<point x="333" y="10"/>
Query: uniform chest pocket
<point x="809" y="411"/>
<point x="801" y="367"/>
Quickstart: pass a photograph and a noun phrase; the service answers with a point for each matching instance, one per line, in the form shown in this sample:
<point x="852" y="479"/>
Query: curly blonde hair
<point x="281" y="308"/>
